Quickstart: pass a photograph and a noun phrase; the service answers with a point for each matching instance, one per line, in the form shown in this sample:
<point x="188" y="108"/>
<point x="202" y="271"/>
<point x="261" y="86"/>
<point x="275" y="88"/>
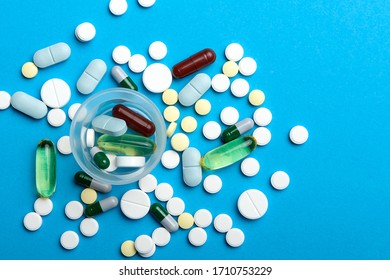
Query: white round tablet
<point x="163" y="192"/>
<point x="262" y="116"/>
<point x="280" y="180"/>
<point x="121" y="54"/>
<point x="137" y="63"/>
<point x="112" y="167"/>
<point x="63" y="145"/>
<point x="223" y="222"/>
<point x="250" y="167"/>
<point x="5" y="100"/>
<point x="252" y="204"/>
<point x="247" y="66"/>
<point x="43" y="206"/>
<point x="262" y="135"/>
<point x="220" y="83"/>
<point x="239" y="87"/>
<point x="146" y="3"/>
<point x="170" y="159"/>
<point x="212" y="183"/>
<point x="175" y="206"/>
<point x="85" y="32"/>
<point x="56" y="117"/>
<point x="158" y="50"/>
<point x="144" y="244"/>
<point x="211" y="130"/>
<point x="234" y="52"/>
<point x="235" y="237"/>
<point x="73" y="110"/>
<point x="90" y="138"/>
<point x="157" y="78"/>
<point x="32" y="221"/>
<point x="135" y="204"/>
<point x="161" y="236"/>
<point x="203" y="218"/>
<point x="74" y="210"/>
<point x="55" y="93"/>
<point x="148" y="183"/>
<point x="69" y="240"/>
<point x="229" y="115"/>
<point x="197" y="236"/>
<point x="118" y="7"/>
<point x="89" y="227"/>
<point x="299" y="134"/>
<point x="151" y="253"/>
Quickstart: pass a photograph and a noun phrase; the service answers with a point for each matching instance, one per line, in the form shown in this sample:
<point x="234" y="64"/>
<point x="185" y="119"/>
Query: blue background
<point x="322" y="64"/>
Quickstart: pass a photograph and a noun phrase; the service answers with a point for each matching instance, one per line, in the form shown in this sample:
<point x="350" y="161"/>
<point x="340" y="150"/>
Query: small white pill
<point x="234" y="52"/>
<point x="262" y="116"/>
<point x="197" y="236"/>
<point x="247" y="66"/>
<point x="239" y="87"/>
<point x="212" y="183"/>
<point x="280" y="180"/>
<point x="121" y="54"/>
<point x="220" y="83"/>
<point x="229" y="115"/>
<point x="250" y="167"/>
<point x="56" y="117"/>
<point x="90" y="138"/>
<point x="137" y="63"/>
<point x="170" y="159"/>
<point x="144" y="244"/>
<point x="211" y="130"/>
<point x="151" y="253"/>
<point x="252" y="204"/>
<point x="262" y="135"/>
<point x="73" y="110"/>
<point x="148" y="183"/>
<point x="32" y="221"/>
<point x="55" y="93"/>
<point x="130" y="161"/>
<point x="235" y="237"/>
<point x="175" y="206"/>
<point x="89" y="227"/>
<point x="113" y="166"/>
<point x="203" y="218"/>
<point x="118" y="7"/>
<point x="223" y="223"/>
<point x="163" y="192"/>
<point x="74" y="210"/>
<point x="63" y="145"/>
<point x="43" y="206"/>
<point x="157" y="78"/>
<point x="5" y="100"/>
<point x="146" y="3"/>
<point x="69" y="240"/>
<point x="161" y="236"/>
<point x="158" y="50"/>
<point x="85" y="32"/>
<point x="135" y="204"/>
<point x="299" y="134"/>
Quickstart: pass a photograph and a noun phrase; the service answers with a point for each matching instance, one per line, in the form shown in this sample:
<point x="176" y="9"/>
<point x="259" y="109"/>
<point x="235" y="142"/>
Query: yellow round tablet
<point x="230" y="69"/>
<point x="170" y="96"/>
<point x="128" y="248"/>
<point x="202" y="107"/>
<point x="88" y="196"/>
<point x="189" y="124"/>
<point x="180" y="142"/>
<point x="185" y="221"/>
<point x="29" y="70"/>
<point x="256" y="97"/>
<point x="171" y="129"/>
<point x="171" y="114"/>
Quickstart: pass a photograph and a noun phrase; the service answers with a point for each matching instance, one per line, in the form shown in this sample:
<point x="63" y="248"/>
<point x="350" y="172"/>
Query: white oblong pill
<point x="158" y="50"/>
<point x="161" y="236"/>
<point x="91" y="76"/>
<point x="85" y="32"/>
<point x="130" y="161"/>
<point x="299" y="134"/>
<point x="247" y="66"/>
<point x="109" y="125"/>
<point x="32" y="221"/>
<point x="74" y="210"/>
<point x="69" y="240"/>
<point x="118" y="7"/>
<point x="262" y="135"/>
<point x="90" y="138"/>
<point x="73" y="110"/>
<point x="252" y="204"/>
<point x="250" y="167"/>
<point x="28" y="105"/>
<point x="211" y="130"/>
<point x="223" y="223"/>
<point x="235" y="237"/>
<point x="220" y="83"/>
<point x="121" y="54"/>
<point x="234" y="52"/>
<point x="163" y="192"/>
<point x="157" y="78"/>
<point x="148" y="183"/>
<point x="135" y="204"/>
<point x="43" y="206"/>
<point x="5" y="100"/>
<point x="262" y="116"/>
<point x="229" y="115"/>
<point x="170" y="159"/>
<point x="195" y="89"/>
<point x="137" y="63"/>
<point x="51" y="55"/>
<point x="203" y="218"/>
<point x="280" y="180"/>
<point x="56" y="117"/>
<point x="63" y="145"/>
<point x="144" y="244"/>
<point x="239" y="87"/>
<point x="175" y="206"/>
<point x="212" y="183"/>
<point x="89" y="227"/>
<point x="197" y="236"/>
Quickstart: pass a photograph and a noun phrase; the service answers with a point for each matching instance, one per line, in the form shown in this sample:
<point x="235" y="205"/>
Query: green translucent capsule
<point x="228" y="153"/>
<point x="45" y="168"/>
<point x="127" y="144"/>
<point x="100" y="158"/>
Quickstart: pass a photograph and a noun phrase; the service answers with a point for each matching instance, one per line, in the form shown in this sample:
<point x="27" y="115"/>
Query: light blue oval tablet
<point x="192" y="171"/>
<point x="194" y="89"/>
<point x="51" y="55"/>
<point x="109" y="125"/>
<point x="91" y="76"/>
<point x="28" y="105"/>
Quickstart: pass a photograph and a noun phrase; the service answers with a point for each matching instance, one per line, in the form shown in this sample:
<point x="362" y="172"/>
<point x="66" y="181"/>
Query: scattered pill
<point x="230" y="69"/>
<point x="146" y="3"/>
<point x="239" y="87"/>
<point x="134" y="120"/>
<point x="235" y="237"/>
<point x="73" y="110"/>
<point x="163" y="217"/>
<point x="157" y="50"/>
<point x="109" y="125"/>
<point x="223" y="223"/>
<point x="280" y="180"/>
<point x="43" y="206"/>
<point x="90" y="137"/>
<point x="69" y="240"/>
<point x="299" y="134"/>
<point x="262" y="135"/>
<point x="100" y="158"/>
<point x="170" y="97"/>
<point x="29" y="70"/>
<point x="122" y="78"/>
<point x="128" y="248"/>
<point x="170" y="159"/>
<point x="118" y="7"/>
<point x="45" y="168"/>
<point x="89" y="227"/>
<point x="194" y="90"/>
<point x="229" y="115"/>
<point x="193" y="63"/>
<point x="121" y="54"/>
<point x="163" y="192"/>
<point x="250" y="167"/>
<point x="5" y="100"/>
<point x="88" y="196"/>
<point x="56" y="117"/>
<point x="85" y="32"/>
<point x="63" y="145"/>
<point x="262" y="116"/>
<point x="101" y="206"/>
<point x="252" y="204"/>
<point x="237" y="130"/>
<point x="130" y="161"/>
<point x="197" y="236"/>
<point x="28" y="105"/>
<point x="175" y="206"/>
<point x="234" y="52"/>
<point x="171" y="114"/>
<point x="189" y="124"/>
<point x="113" y="165"/>
<point x="247" y="66"/>
<point x="51" y="55"/>
<point x="151" y="253"/>
<point x="211" y="130"/>
<point x="135" y="204"/>
<point x="157" y="78"/>
<point x="32" y="221"/>
<point x="171" y="129"/>
<point x="144" y="244"/>
<point x="256" y="97"/>
<point x="192" y="171"/>
<point x="180" y="142"/>
<point x="91" y="76"/>
<point x="202" y="107"/>
<point x="212" y="183"/>
<point x="137" y="63"/>
<point x="220" y="83"/>
<point x="148" y="183"/>
<point x="83" y="179"/>
<point x="185" y="221"/>
<point x="74" y="210"/>
<point x="161" y="236"/>
<point x="203" y="218"/>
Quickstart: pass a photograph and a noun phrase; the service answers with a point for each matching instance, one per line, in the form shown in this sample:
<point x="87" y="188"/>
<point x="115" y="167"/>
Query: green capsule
<point x="236" y="130"/>
<point x="161" y="215"/>
<point x="122" y="78"/>
<point x="228" y="153"/>
<point x="101" y="206"/>
<point x="100" y="158"/>
<point x="45" y="168"/>
<point x="127" y="144"/>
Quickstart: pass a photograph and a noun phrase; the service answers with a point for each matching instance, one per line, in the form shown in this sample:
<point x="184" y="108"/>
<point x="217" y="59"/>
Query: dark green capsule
<point x="45" y="168"/>
<point x="163" y="217"/>
<point x="101" y="206"/>
<point x="122" y="78"/>
<point x="236" y="130"/>
<point x="100" y="158"/>
<point x="83" y="179"/>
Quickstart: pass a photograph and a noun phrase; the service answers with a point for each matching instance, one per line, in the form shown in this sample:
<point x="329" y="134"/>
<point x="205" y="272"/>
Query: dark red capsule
<point x="134" y="120"/>
<point x="193" y="63"/>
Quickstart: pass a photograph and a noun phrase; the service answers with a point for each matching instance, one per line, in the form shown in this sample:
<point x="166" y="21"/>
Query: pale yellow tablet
<point x="29" y="70"/>
<point x="202" y="107"/>
<point x="185" y="220"/>
<point x="171" y="114"/>
<point x="189" y="124"/>
<point x="256" y="97"/>
<point x="170" y="96"/>
<point x="128" y="248"/>
<point x="88" y="196"/>
<point x="230" y="69"/>
<point x="180" y="142"/>
<point x="171" y="129"/>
